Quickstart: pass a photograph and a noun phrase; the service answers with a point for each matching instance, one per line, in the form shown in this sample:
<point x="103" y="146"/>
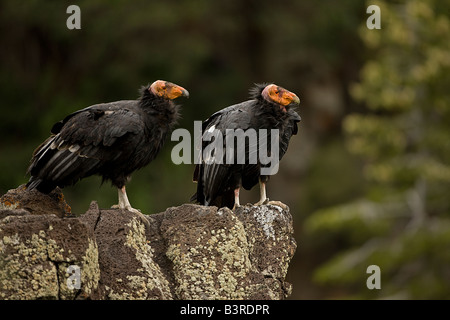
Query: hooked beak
<point x="184" y="93"/>
<point x="292" y="97"/>
<point x="177" y="91"/>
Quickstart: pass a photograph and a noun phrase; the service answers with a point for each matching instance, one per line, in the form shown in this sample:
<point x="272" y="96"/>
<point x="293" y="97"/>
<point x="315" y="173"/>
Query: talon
<point x="124" y="204"/>
<point x="262" y="202"/>
<point x="278" y="204"/>
<point x="133" y="210"/>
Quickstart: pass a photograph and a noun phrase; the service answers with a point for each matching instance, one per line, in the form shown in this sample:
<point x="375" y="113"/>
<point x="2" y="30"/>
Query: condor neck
<point x="164" y="110"/>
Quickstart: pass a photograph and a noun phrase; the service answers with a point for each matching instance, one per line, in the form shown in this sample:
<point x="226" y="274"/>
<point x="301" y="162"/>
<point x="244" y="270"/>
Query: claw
<point x="133" y="210"/>
<point x="262" y="201"/>
<point x="123" y="202"/>
<point x="278" y="204"/>
<point x="129" y="208"/>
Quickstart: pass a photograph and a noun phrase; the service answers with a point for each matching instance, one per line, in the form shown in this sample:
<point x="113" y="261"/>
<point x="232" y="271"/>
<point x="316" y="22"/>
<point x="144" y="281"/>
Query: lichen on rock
<point x="126" y="258"/>
<point x="210" y="261"/>
<point x="186" y="252"/>
<point x="152" y="277"/>
<point x="34" y="258"/>
<point x="214" y="255"/>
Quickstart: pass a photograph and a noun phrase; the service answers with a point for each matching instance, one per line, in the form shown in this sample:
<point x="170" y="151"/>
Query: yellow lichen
<point x="222" y="261"/>
<point x="153" y="277"/>
<point x="36" y="268"/>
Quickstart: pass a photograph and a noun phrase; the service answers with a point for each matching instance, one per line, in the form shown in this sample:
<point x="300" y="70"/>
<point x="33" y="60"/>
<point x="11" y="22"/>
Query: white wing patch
<point x="74" y="148"/>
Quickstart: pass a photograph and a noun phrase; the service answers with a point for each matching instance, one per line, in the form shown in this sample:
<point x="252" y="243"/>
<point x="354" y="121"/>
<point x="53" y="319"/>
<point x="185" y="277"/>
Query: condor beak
<point x="184" y="93"/>
<point x="292" y="97"/>
<point x="178" y="91"/>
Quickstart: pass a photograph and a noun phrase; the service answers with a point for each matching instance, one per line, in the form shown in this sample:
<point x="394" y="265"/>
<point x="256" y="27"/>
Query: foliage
<point x="402" y="223"/>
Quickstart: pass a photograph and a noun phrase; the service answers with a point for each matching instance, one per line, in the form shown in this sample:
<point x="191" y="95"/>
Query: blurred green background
<point x="367" y="178"/>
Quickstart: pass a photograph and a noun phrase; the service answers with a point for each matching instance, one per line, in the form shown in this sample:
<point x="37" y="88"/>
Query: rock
<point x="186" y="252"/>
<point x="272" y="244"/>
<point x="217" y="254"/>
<point x="126" y="258"/>
<point x="36" y="253"/>
<point x="35" y="202"/>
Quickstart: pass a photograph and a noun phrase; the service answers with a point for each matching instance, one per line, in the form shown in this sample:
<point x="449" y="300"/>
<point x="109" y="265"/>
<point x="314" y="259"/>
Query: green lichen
<point x="90" y="274"/>
<point x="34" y="267"/>
<point x="26" y="272"/>
<point x="215" y="267"/>
<point x="152" y="275"/>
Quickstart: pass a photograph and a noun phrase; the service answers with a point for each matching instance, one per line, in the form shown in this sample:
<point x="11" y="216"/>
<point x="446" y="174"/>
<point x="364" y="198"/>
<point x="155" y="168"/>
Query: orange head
<point x="167" y="90"/>
<point x="279" y="96"/>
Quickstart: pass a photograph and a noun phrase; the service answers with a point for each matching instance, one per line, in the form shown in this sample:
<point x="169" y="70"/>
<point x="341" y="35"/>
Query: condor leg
<point x="123" y="200"/>
<point x="262" y="194"/>
<point x="236" y="198"/>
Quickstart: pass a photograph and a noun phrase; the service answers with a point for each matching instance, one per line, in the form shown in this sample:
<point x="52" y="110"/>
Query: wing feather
<point x="215" y="179"/>
<point x="82" y="143"/>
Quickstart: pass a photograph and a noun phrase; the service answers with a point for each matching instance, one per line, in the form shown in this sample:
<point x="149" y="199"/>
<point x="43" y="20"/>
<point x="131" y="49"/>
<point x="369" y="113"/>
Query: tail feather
<point x="212" y="180"/>
<point x="80" y="168"/>
<point x="41" y="185"/>
<point x="56" y="163"/>
<point x="226" y="199"/>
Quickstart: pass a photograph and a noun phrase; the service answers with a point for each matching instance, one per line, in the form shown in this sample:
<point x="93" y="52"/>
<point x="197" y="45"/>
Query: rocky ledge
<point x="186" y="252"/>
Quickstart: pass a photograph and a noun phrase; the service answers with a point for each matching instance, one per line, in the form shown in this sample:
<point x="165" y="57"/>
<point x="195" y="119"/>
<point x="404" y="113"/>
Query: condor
<point x="110" y="139"/>
<point x="219" y="180"/>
